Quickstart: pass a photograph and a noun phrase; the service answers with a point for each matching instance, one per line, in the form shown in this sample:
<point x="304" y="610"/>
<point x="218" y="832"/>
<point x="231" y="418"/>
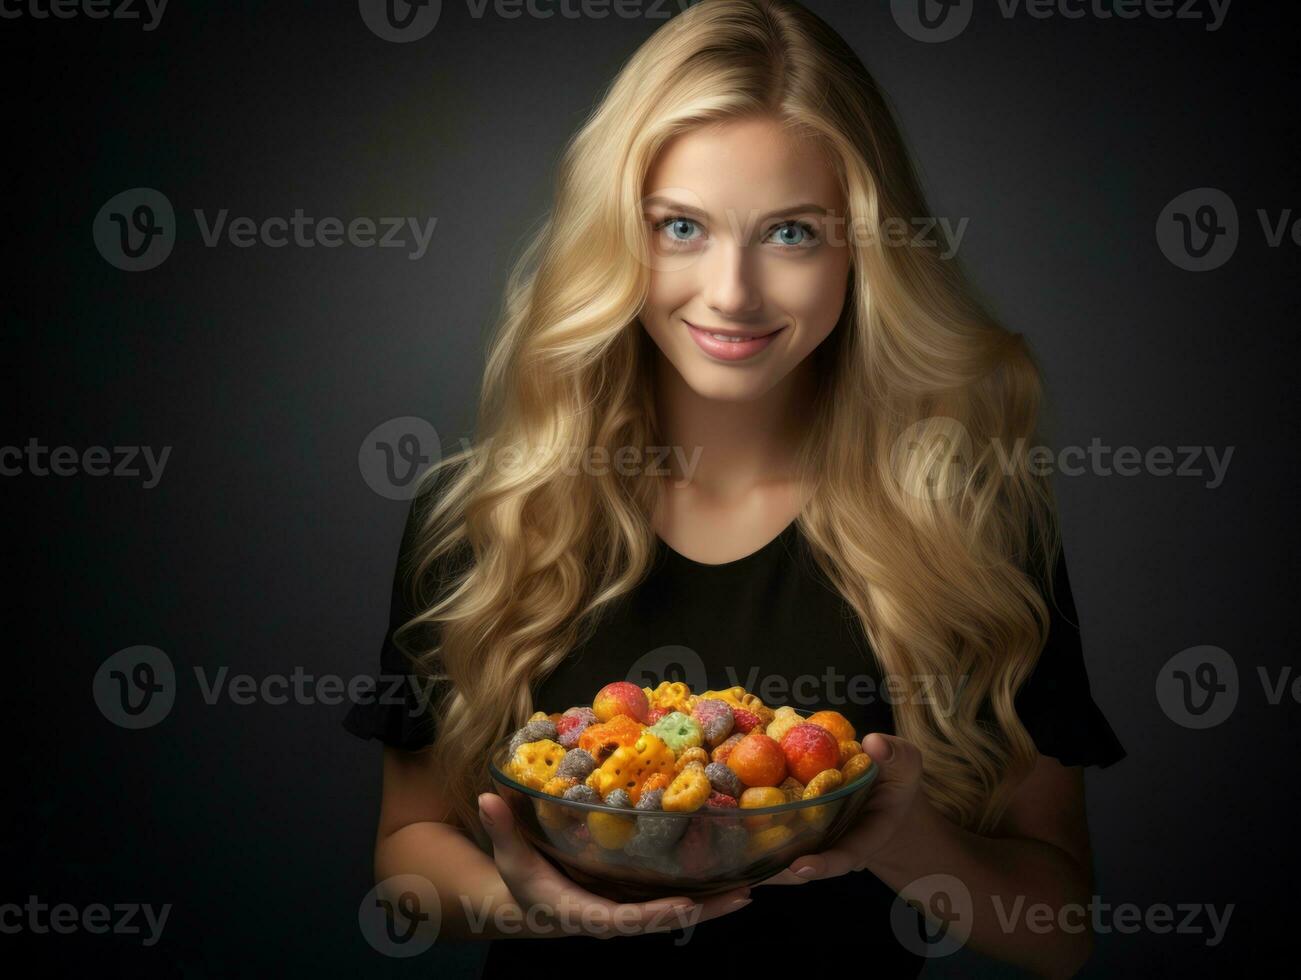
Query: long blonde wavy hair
<point x="942" y="556"/>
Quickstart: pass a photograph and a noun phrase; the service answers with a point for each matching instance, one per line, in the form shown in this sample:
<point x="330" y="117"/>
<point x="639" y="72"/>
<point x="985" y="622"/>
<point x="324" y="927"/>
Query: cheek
<point x="813" y="292"/>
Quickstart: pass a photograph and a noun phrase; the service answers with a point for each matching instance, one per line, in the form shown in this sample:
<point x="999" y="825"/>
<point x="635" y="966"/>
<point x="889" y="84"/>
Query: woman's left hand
<point x="888" y="803"/>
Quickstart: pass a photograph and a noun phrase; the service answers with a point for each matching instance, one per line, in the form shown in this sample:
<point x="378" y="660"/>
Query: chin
<point x="726" y="384"/>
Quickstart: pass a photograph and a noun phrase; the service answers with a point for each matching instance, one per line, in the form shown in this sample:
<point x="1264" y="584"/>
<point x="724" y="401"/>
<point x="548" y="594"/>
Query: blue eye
<point x="680" y="228"/>
<point x="675" y="224"/>
<point x="807" y="235"/>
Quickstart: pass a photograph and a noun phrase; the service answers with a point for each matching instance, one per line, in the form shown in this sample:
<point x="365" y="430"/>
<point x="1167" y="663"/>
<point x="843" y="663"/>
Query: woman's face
<point x="747" y="239"/>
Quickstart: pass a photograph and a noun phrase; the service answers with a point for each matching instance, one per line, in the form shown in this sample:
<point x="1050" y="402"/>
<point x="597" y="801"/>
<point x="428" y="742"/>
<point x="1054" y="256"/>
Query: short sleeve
<point x="1055" y="704"/>
<point x="397" y="709"/>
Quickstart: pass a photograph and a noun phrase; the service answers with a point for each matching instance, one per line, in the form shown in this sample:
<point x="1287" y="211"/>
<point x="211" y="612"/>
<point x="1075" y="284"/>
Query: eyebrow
<point x="688" y="209"/>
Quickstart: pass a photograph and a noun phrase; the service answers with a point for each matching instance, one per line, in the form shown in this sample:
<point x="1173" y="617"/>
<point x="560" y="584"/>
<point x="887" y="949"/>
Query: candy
<point x="723" y="779"/>
<point x="602" y="739"/>
<point x="820" y="785"/>
<point x="758" y="760"/>
<point x="695" y="851"/>
<point x="834" y="722"/>
<point x="739" y="697"/>
<point x="856" y="767"/>
<point x="721" y="753"/>
<point x="849" y="747"/>
<point x="761" y="796"/>
<point x="629" y="766"/>
<point x="577" y="763"/>
<point x="679" y="731"/>
<point x="688" y="791"/>
<point x="572" y="724"/>
<point x="550" y="814"/>
<point x="674" y="695"/>
<point x="688" y="756"/>
<point x="783" y="720"/>
<point x="715" y="719"/>
<point x="610" y="830"/>
<point x="582" y="794"/>
<point x="745" y="721"/>
<point x="621" y="698"/>
<point x="534" y="731"/>
<point x="618" y="797"/>
<point x="534" y="763"/>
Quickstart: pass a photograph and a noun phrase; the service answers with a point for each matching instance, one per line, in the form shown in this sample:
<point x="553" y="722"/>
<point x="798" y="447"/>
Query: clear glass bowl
<point x="658" y="853"/>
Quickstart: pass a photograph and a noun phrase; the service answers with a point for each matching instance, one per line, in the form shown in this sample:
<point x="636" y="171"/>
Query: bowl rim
<point x="861" y="783"/>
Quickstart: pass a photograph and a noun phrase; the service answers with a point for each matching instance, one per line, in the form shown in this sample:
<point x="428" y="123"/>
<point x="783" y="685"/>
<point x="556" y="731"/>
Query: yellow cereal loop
<point x="694" y="754"/>
<point x="784" y="719"/>
<point x="768" y="839"/>
<point x="820" y="785"/>
<point x="688" y="791"/>
<point x="793" y="789"/>
<point x="610" y="830"/>
<point x="849" y="748"/>
<point x="856" y="767"/>
<point x="554" y="815"/>
<point x="535" y="762"/>
<point x="761" y="796"/>
<point x="673" y="695"/>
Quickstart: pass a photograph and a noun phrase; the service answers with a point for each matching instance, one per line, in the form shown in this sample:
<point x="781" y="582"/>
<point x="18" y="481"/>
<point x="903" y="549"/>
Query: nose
<point x="731" y="287"/>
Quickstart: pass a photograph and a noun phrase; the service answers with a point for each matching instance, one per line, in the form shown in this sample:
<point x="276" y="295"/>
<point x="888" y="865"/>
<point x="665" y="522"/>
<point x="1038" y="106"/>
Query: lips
<point x="730" y="350"/>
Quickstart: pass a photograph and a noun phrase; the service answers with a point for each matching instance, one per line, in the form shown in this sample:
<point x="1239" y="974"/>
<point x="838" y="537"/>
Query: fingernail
<point x="804" y="870"/>
<point x="740" y="903"/>
<point x="889" y="750"/>
<point x="487" y="820"/>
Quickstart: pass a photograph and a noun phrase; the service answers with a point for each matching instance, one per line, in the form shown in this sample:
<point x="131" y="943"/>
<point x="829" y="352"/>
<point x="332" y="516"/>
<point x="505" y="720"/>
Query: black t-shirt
<point x="771" y="623"/>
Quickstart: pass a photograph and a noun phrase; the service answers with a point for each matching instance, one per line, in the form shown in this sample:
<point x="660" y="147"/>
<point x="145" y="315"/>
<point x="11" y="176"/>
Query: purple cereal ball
<point x="715" y="719"/>
<point x="724" y="779"/>
<point x="582" y="794"/>
<point x="577" y="763"/>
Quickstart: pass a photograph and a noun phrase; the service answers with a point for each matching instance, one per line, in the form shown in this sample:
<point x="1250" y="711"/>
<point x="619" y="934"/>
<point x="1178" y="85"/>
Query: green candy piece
<point x="678" y="731"/>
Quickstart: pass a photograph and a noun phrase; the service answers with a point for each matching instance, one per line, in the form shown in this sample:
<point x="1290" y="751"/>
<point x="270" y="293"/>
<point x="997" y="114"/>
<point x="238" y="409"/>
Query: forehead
<point x="746" y="162"/>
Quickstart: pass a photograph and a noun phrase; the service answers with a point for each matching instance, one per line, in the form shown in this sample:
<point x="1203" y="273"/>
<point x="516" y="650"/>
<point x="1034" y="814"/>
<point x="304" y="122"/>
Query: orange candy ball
<point x="758" y="760"/>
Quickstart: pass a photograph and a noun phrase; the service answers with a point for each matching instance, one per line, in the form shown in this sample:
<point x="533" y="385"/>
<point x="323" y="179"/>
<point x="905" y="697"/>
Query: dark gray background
<point x="262" y="549"/>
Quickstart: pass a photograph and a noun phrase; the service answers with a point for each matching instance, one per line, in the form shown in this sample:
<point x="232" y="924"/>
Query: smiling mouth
<point x="730" y="336"/>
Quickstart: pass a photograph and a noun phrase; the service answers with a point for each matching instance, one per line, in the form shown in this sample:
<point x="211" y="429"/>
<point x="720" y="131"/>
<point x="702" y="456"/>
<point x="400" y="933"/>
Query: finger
<point x="839" y="860"/>
<point x="785" y="877"/>
<point x="709" y="907"/>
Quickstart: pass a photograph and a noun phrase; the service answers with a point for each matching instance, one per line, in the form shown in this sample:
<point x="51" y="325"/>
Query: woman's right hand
<point x="535" y="881"/>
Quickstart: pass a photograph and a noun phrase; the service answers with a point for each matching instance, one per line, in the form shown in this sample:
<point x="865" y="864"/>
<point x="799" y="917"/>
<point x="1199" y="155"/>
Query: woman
<point x="722" y="274"/>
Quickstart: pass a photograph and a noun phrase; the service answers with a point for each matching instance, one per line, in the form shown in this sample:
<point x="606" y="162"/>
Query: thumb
<point x="900" y="760"/>
<point x="498" y="822"/>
